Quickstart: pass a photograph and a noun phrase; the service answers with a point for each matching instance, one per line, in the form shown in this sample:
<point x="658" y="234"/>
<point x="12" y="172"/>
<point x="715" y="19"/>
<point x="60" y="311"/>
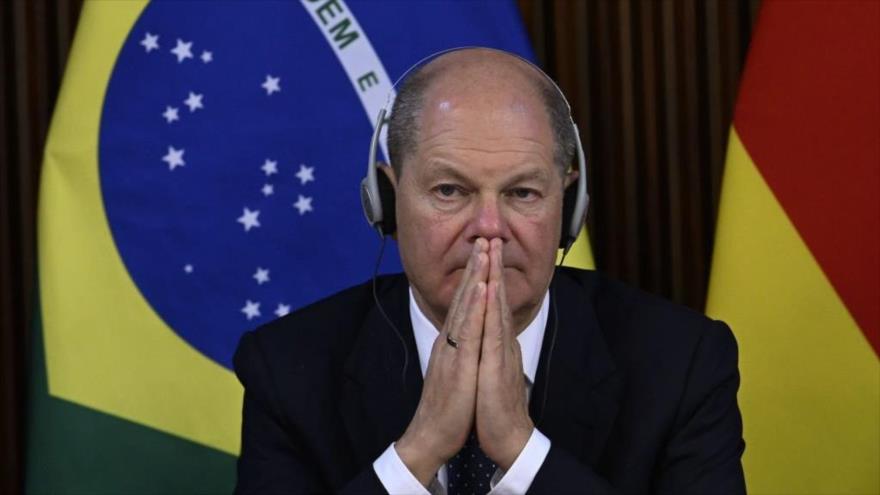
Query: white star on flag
<point x="282" y="310"/>
<point x="270" y="167"/>
<point x="305" y="174"/>
<point x="170" y="114"/>
<point x="194" y="101"/>
<point x="183" y="50"/>
<point x="268" y="189"/>
<point x="188" y="268"/>
<point x="251" y="309"/>
<point x="271" y="84"/>
<point x="303" y="204"/>
<point x="150" y="42"/>
<point x="249" y="219"/>
<point x="207" y="56"/>
<point x="261" y="276"/>
<point x="174" y="158"/>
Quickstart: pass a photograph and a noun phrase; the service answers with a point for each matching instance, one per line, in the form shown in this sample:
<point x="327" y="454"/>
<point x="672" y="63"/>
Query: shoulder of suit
<point x="639" y="322"/>
<point x="329" y="325"/>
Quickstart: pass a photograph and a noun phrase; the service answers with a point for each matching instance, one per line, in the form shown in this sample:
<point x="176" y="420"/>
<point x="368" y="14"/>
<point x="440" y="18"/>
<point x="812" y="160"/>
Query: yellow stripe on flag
<point x="105" y="346"/>
<point x="810" y="393"/>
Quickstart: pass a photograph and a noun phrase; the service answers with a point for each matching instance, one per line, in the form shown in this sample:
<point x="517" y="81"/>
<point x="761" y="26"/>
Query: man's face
<point x="483" y="167"/>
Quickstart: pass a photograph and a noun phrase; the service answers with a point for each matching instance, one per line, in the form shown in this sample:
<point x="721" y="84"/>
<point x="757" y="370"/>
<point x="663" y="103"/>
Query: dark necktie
<point x="470" y="471"/>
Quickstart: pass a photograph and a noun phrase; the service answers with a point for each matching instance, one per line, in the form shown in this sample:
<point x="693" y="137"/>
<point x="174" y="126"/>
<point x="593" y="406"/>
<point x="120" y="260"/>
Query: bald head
<point x="490" y="81"/>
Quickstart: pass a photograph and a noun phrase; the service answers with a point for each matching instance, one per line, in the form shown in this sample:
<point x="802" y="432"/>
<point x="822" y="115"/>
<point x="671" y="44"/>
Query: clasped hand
<point x="479" y="384"/>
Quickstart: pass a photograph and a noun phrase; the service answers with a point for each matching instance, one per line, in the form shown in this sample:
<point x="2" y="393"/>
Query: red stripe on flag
<point x="808" y="113"/>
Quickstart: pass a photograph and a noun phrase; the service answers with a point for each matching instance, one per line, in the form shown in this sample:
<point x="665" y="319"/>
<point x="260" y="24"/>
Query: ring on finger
<point x="451" y="341"/>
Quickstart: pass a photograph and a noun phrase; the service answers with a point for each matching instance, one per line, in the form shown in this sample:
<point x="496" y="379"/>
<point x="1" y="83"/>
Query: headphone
<point x="377" y="193"/>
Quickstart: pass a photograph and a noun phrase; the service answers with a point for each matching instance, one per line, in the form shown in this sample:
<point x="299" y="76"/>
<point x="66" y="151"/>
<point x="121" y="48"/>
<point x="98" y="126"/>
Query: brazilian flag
<point x="200" y="178"/>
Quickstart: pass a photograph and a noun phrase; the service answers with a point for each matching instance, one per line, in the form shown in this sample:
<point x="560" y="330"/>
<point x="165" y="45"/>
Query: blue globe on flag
<point x="229" y="161"/>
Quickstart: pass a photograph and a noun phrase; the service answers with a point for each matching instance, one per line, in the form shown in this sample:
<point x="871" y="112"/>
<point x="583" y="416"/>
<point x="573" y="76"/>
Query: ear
<point x="570" y="178"/>
<point x="387" y="182"/>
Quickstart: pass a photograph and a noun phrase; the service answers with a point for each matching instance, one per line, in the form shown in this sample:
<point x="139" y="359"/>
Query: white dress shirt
<point x="397" y="478"/>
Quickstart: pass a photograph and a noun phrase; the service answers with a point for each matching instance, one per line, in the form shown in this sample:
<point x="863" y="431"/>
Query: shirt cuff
<point x="522" y="472"/>
<point x="395" y="476"/>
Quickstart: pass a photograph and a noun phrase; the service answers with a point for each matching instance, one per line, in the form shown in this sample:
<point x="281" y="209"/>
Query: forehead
<point x="488" y="114"/>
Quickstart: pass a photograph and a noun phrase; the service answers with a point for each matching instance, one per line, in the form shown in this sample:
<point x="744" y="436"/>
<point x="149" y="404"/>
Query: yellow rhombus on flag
<point x="155" y="148"/>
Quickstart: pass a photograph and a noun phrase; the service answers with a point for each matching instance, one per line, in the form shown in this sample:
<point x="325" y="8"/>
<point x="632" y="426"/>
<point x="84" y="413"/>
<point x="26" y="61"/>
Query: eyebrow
<point x="534" y="174"/>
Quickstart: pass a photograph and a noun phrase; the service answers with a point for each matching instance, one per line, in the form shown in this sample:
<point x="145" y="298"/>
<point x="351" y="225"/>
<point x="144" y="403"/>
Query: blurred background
<point x="652" y="86"/>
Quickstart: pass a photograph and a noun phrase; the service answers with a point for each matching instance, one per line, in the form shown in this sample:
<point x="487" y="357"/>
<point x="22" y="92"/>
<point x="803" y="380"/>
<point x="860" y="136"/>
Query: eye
<point x="524" y="193"/>
<point x="446" y="190"/>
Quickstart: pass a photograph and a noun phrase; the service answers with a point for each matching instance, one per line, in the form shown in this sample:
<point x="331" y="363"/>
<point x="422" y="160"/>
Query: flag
<point x="795" y="270"/>
<point x="200" y="178"/>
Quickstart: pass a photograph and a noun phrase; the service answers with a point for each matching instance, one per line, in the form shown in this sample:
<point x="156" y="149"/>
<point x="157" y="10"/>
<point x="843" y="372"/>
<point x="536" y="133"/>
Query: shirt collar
<point x="530" y="339"/>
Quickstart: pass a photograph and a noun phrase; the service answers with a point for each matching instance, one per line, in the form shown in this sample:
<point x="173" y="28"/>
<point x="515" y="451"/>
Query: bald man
<point x="528" y="378"/>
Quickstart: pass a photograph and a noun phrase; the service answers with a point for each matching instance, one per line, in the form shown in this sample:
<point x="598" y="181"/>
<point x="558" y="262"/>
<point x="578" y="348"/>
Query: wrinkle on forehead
<point x="445" y="140"/>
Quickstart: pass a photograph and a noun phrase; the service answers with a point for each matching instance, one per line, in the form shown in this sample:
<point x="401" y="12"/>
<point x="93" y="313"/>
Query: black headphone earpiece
<point x="388" y="225"/>
<point x="569" y="203"/>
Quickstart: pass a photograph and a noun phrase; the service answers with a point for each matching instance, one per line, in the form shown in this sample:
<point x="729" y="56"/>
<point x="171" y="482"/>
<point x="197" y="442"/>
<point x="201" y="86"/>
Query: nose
<point x="488" y="221"/>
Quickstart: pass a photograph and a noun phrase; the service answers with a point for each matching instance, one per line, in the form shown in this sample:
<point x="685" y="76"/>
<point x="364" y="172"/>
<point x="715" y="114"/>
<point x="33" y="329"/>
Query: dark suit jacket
<point x="641" y="394"/>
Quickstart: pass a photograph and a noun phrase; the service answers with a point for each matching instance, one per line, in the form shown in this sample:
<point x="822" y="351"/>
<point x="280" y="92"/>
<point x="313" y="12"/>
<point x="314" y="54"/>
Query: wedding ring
<point x="451" y="342"/>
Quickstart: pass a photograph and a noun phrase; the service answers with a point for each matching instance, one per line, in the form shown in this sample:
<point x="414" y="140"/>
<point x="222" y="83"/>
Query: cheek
<point x="537" y="239"/>
<point x="539" y="236"/>
<point x="424" y="234"/>
<point x="427" y="243"/>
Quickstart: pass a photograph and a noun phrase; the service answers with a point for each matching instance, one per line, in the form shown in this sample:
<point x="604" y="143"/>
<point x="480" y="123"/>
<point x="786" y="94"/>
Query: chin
<point x="515" y="281"/>
<point x="519" y="291"/>
<point x="441" y="298"/>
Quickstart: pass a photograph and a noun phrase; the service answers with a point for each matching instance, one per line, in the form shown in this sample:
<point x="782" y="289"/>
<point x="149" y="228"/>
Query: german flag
<point x="795" y="269"/>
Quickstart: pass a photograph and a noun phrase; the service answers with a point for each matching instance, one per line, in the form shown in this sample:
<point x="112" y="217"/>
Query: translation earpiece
<point x="389" y="208"/>
<point x="569" y="200"/>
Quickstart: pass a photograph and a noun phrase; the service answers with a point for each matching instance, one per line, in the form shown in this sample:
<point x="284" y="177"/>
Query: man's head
<point x="408" y="105"/>
<point x="480" y="143"/>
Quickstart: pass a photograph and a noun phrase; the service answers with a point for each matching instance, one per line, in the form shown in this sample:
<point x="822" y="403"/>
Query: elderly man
<point x="529" y="378"/>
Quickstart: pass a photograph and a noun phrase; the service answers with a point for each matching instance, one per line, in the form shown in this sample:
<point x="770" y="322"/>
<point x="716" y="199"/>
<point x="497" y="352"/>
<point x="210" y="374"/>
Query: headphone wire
<point x="385" y="315"/>
<point x="552" y="340"/>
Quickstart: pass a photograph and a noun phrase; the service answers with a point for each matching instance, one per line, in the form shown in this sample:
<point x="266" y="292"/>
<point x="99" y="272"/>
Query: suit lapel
<point x="580" y="398"/>
<point x="378" y="401"/>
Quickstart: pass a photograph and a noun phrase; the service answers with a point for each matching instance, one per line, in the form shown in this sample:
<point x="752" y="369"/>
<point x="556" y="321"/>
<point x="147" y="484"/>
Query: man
<point x="528" y="380"/>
